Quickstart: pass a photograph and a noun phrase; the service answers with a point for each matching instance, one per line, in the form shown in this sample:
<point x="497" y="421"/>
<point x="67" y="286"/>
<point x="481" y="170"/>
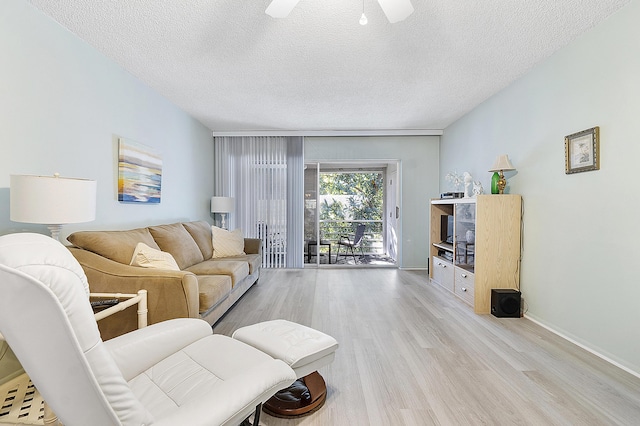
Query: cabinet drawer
<point x="464" y="285"/>
<point x="443" y="273"/>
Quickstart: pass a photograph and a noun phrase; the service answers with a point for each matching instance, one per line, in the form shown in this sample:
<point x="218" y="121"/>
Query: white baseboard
<point x="586" y="348"/>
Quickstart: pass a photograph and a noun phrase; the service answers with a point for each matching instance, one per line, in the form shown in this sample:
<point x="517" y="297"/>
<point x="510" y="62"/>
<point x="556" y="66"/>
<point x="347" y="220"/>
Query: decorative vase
<point x="471" y="237"/>
<point x="494" y="183"/>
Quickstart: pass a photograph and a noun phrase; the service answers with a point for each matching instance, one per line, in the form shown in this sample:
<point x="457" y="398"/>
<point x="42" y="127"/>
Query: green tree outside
<point x="353" y="196"/>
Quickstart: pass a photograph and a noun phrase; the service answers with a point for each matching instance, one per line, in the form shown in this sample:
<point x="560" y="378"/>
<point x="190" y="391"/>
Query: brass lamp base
<point x="502" y="183"/>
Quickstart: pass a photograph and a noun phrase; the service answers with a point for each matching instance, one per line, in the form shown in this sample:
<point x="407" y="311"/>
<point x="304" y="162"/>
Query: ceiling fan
<point x="396" y="10"/>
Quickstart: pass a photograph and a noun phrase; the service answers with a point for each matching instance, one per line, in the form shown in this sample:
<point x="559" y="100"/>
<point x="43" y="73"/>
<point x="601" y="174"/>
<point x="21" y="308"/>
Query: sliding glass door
<point x="345" y="214"/>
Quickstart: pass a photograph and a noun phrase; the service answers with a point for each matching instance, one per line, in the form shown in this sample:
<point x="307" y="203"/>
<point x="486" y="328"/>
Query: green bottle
<point x="494" y="183"/>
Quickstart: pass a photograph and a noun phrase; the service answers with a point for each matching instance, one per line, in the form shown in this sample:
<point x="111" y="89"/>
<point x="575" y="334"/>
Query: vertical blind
<point x="265" y="176"/>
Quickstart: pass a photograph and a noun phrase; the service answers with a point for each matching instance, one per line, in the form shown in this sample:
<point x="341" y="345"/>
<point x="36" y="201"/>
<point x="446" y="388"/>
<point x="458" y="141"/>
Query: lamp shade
<point x="502" y="163"/>
<point x="51" y="200"/>
<point x="222" y="204"/>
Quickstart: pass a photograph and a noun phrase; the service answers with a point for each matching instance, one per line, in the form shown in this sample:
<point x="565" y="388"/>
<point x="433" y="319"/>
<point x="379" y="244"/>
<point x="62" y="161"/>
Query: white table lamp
<point x="222" y="205"/>
<point x="52" y="201"/>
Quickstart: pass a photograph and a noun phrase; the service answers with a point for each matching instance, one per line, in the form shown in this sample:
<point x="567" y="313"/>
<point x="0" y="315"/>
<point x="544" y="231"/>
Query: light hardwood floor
<point x="412" y="354"/>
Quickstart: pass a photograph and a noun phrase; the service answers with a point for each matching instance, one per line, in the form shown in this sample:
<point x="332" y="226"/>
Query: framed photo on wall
<point x="582" y="151"/>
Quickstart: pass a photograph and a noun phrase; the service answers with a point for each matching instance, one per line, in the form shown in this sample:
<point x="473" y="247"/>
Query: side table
<point x="323" y="243"/>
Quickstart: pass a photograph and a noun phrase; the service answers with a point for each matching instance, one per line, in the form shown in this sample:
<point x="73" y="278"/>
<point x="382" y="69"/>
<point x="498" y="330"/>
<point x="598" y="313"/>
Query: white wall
<point x="418" y="156"/>
<point x="62" y="107"/>
<point x="580" y="240"/>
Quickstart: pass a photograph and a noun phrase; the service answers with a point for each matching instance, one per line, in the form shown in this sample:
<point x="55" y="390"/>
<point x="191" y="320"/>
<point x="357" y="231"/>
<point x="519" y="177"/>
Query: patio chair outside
<point x="351" y="243"/>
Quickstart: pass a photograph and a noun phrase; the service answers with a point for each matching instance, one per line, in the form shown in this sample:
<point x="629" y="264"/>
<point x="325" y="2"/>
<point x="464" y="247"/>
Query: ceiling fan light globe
<point x="396" y="10"/>
<point x="280" y="8"/>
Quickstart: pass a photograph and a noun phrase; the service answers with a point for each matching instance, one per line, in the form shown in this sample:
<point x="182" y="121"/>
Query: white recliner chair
<point x="172" y="373"/>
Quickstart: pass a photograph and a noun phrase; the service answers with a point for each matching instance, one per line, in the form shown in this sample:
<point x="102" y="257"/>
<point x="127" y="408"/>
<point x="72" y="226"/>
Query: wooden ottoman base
<point x="302" y="398"/>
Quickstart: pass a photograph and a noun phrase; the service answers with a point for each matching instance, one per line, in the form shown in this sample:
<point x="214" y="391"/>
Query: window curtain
<point x="265" y="176"/>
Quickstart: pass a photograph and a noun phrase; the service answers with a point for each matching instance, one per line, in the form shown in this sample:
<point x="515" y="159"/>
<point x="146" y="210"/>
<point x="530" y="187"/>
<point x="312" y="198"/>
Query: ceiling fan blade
<point x="396" y="10"/>
<point x="280" y="8"/>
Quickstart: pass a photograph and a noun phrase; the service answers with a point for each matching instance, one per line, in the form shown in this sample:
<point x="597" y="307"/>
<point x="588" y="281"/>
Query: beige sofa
<point x="204" y="287"/>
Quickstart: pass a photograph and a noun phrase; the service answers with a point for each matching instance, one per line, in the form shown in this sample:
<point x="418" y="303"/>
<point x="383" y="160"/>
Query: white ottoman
<point x="305" y="350"/>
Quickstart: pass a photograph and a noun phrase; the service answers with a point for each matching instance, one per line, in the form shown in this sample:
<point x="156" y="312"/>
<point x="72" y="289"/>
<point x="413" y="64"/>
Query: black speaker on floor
<point x="505" y="303"/>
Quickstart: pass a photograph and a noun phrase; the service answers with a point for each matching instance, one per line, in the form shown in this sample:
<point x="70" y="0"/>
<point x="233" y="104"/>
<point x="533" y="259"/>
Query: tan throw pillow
<point x="148" y="257"/>
<point x="227" y="243"/>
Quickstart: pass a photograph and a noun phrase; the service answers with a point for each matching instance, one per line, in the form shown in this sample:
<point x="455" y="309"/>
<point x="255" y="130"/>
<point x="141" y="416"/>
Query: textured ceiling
<point x="235" y="68"/>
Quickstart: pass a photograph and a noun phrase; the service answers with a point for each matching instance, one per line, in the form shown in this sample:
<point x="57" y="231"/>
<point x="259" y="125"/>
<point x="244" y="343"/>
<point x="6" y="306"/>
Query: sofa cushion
<point x="227" y="243"/>
<point x="253" y="260"/>
<point x="212" y="289"/>
<point x="147" y="257"/>
<point x="200" y="231"/>
<point x="237" y="270"/>
<point x="175" y="239"/>
<point x="114" y="245"/>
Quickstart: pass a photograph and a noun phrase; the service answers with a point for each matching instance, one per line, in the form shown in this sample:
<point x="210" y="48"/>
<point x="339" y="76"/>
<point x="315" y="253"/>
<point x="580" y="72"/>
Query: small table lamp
<point x="501" y="165"/>
<point x="52" y="200"/>
<point x="222" y="205"/>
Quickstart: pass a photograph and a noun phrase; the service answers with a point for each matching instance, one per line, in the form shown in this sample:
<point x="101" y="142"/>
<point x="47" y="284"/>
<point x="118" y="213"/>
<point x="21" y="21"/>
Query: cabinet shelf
<point x="444" y="246"/>
<point x="468" y="268"/>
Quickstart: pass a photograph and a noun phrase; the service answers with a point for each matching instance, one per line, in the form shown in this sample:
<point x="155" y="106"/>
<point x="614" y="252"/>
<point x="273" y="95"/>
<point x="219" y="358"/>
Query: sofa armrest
<point x="252" y="245"/>
<point x="170" y="294"/>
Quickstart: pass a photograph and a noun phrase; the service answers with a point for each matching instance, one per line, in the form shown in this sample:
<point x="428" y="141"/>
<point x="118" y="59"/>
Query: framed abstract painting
<point x="139" y="173"/>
